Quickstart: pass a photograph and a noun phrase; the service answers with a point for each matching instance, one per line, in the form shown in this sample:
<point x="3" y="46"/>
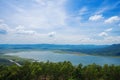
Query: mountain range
<point x="103" y="50"/>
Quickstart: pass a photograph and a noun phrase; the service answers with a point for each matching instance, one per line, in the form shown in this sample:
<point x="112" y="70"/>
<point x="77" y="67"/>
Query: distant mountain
<point x="106" y="50"/>
<point x="111" y="50"/>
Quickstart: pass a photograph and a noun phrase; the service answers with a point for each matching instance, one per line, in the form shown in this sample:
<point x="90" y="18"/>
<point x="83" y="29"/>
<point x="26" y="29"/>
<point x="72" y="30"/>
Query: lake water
<point x="75" y="59"/>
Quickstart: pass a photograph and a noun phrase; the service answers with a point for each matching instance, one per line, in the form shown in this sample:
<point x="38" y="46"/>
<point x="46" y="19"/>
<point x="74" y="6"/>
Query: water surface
<point x="75" y="59"/>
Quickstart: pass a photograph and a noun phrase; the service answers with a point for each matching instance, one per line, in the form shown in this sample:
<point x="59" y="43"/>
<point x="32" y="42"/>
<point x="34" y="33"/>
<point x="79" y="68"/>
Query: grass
<point x="4" y="59"/>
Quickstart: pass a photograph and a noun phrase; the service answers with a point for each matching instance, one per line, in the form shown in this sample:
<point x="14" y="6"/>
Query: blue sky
<point x="60" y="21"/>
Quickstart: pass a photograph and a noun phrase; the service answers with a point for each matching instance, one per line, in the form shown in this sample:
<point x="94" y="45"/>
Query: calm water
<point x="75" y="59"/>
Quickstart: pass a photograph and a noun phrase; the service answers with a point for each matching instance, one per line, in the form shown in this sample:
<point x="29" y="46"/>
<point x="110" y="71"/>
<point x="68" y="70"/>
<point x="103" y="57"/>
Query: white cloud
<point x="44" y="16"/>
<point x="111" y="40"/>
<point x="21" y="30"/>
<point x="112" y="19"/>
<point x="51" y="15"/>
<point x="25" y="32"/>
<point x="20" y="27"/>
<point x="109" y="29"/>
<point x="4" y="26"/>
<point x="18" y="30"/>
<point x="51" y="34"/>
<point x="95" y="17"/>
<point x="103" y="34"/>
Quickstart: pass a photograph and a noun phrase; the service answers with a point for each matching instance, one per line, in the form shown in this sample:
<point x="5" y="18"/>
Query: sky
<point x="60" y="22"/>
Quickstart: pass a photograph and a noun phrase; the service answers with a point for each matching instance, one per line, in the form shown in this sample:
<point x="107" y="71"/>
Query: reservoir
<point x="60" y="57"/>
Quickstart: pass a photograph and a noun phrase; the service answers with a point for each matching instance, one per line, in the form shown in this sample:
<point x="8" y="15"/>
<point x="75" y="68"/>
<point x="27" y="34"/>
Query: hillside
<point x="106" y="50"/>
<point x="59" y="71"/>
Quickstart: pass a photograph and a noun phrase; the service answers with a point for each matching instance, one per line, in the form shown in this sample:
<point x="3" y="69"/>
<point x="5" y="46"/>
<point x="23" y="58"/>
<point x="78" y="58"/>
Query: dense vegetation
<point x="104" y="50"/>
<point x="59" y="71"/>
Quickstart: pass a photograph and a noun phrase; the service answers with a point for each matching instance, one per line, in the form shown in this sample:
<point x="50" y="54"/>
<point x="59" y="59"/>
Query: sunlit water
<point x="75" y="59"/>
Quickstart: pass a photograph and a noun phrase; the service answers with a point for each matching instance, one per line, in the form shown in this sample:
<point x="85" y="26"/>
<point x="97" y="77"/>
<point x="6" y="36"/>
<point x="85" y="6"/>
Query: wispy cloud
<point x="101" y="10"/>
<point x="21" y="30"/>
<point x="106" y="7"/>
<point x="83" y="11"/>
<point x="49" y="21"/>
<point x="45" y="17"/>
<point x="109" y="29"/>
<point x="95" y="17"/>
<point x="112" y="19"/>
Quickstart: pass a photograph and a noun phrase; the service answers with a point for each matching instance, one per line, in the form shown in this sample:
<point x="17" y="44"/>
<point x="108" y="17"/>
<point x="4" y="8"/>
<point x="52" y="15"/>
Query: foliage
<point x="59" y="71"/>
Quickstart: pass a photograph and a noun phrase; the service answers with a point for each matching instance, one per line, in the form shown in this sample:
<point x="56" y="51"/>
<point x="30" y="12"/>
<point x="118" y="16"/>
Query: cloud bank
<point x="59" y="22"/>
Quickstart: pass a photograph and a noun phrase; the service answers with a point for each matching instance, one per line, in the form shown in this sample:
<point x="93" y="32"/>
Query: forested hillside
<point x="59" y="71"/>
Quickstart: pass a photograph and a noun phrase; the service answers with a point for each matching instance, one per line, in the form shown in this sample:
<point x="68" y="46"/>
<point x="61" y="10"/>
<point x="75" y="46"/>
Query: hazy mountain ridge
<point x="106" y="50"/>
